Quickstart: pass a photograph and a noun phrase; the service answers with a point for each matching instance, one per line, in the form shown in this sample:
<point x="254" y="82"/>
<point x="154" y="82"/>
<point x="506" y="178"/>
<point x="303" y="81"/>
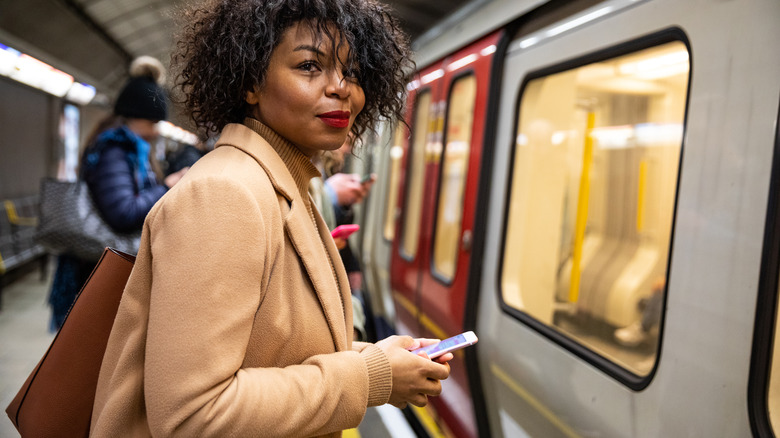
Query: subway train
<point x="593" y="188"/>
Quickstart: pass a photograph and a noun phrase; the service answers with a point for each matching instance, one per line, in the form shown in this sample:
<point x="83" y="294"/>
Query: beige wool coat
<point x="236" y="320"/>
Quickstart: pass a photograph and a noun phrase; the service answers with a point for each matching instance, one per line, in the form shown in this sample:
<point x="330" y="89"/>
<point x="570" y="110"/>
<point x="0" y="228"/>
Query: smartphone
<point x="449" y="344"/>
<point x="344" y="231"/>
<point x="366" y="178"/>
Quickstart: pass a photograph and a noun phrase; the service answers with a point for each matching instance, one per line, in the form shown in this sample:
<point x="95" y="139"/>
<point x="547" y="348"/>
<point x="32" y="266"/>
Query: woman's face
<point x="309" y="98"/>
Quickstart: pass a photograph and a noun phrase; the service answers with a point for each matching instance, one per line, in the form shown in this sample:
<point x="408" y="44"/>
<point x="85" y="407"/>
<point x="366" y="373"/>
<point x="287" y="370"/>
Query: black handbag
<point x="69" y="222"/>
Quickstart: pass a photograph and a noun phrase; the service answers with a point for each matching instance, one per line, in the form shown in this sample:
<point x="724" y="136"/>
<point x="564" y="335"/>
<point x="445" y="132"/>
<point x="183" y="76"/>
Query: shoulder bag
<point x="56" y="400"/>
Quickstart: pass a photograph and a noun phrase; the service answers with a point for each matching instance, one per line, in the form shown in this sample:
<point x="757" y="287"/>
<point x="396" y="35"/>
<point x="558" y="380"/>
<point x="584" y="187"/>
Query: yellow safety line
<point x="531" y="400"/>
<point x="640" y="197"/>
<point x="350" y="433"/>
<point x="428" y="422"/>
<point x="432" y="327"/>
<point x="405" y="303"/>
<point x="582" y="209"/>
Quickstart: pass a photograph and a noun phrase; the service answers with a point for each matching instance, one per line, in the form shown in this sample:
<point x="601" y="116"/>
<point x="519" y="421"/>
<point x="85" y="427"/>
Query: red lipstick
<point x="335" y="119"/>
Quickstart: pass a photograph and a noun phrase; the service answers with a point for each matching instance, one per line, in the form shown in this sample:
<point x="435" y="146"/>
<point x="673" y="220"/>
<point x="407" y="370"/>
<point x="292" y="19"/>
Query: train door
<point x="448" y="219"/>
<point x="415" y="180"/>
<point x="588" y="157"/>
<point x="606" y="214"/>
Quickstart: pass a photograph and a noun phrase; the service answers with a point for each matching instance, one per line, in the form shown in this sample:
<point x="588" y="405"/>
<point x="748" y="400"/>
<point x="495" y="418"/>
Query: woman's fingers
<point x="444" y="358"/>
<point x="419" y="400"/>
<point x="437" y="371"/>
<point x="414" y="377"/>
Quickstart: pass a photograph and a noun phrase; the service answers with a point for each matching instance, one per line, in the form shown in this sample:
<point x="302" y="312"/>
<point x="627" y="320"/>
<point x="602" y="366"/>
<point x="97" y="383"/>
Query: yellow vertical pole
<point x="582" y="209"/>
<point x="640" y="197"/>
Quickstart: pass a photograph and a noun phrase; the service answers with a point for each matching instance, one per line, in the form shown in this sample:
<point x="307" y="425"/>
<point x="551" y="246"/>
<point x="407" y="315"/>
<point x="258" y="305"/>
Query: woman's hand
<point x="415" y="377"/>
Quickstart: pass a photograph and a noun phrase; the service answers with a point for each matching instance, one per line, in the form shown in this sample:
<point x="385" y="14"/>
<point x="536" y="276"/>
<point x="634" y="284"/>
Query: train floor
<point x="24" y="337"/>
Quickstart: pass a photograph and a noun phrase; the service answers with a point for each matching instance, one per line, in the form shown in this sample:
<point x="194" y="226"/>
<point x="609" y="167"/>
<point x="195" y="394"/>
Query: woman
<point x="235" y="320"/>
<point x="118" y="166"/>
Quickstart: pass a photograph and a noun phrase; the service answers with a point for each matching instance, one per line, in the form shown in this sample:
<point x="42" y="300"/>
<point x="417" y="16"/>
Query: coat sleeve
<point x="212" y="250"/>
<point x="113" y="189"/>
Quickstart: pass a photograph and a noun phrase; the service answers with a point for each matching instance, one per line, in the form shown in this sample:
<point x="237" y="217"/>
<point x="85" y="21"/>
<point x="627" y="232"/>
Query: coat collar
<point x="300" y="230"/>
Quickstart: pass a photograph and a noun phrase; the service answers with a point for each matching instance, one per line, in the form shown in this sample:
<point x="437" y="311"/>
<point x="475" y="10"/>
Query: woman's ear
<point x="253" y="97"/>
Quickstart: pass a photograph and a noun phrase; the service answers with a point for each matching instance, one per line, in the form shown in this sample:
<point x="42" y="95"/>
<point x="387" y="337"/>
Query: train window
<point x="396" y="155"/>
<point x="460" y="118"/>
<point x="416" y="174"/>
<point x="592" y="199"/>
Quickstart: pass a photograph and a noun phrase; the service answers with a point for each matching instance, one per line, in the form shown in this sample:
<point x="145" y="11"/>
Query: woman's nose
<point x="338" y="85"/>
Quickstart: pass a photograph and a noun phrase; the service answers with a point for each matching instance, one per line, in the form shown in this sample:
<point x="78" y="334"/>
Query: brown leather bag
<point x="56" y="400"/>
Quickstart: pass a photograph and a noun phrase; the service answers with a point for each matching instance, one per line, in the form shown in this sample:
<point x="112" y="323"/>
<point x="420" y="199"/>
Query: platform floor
<point x="24" y="338"/>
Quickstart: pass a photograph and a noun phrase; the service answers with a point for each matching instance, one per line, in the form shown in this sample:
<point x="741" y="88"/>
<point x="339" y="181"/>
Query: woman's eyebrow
<point x="308" y="48"/>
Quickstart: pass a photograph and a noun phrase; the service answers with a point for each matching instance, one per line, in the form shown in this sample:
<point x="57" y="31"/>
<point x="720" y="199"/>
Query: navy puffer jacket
<point x="120" y="179"/>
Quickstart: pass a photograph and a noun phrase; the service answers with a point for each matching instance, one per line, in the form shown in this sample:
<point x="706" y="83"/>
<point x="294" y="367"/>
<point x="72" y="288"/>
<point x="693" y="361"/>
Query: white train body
<point x="686" y="199"/>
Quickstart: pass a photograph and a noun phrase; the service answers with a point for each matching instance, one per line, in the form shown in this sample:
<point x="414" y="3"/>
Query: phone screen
<point x="449" y="344"/>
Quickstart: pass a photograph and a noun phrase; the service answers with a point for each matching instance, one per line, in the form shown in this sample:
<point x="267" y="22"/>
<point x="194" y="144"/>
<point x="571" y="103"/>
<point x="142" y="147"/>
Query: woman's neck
<point x="299" y="165"/>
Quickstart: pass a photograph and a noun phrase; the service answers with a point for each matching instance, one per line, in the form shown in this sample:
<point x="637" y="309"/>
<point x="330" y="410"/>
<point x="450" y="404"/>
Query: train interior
<point x="595" y="172"/>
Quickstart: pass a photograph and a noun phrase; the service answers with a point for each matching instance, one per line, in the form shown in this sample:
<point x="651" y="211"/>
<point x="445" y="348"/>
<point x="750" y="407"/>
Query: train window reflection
<point x="592" y="199"/>
<point x="396" y="156"/>
<point x="460" y="118"/>
<point x="416" y="172"/>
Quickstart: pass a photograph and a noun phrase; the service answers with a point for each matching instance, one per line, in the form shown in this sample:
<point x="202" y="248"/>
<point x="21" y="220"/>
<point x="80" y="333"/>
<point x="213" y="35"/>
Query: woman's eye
<point x="309" y="66"/>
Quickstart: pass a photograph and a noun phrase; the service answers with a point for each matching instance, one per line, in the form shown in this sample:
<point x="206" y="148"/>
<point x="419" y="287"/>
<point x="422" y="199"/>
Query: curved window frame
<point x="766" y="308"/>
<point x="609" y="367"/>
<point x="441" y="278"/>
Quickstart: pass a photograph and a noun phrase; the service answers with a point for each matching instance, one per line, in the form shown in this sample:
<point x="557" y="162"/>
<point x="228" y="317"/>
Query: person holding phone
<point x="235" y="321"/>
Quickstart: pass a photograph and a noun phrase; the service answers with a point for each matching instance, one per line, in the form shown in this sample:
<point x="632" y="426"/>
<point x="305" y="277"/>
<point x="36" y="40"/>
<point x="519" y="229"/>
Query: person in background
<point x="236" y="320"/>
<point x="185" y="157"/>
<point x="119" y="169"/>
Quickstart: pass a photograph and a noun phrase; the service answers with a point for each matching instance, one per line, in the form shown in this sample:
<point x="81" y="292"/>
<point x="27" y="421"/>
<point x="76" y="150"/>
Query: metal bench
<point x="18" y="248"/>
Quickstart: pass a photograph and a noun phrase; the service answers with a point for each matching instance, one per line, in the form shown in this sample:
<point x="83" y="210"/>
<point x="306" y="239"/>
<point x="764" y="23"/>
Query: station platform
<point x="24" y="338"/>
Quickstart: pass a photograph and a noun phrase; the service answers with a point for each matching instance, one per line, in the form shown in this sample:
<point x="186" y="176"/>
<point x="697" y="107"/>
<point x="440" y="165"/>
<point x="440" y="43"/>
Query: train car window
<point x="416" y="173"/>
<point x="460" y="118"/>
<point x="593" y="187"/>
<point x="396" y="156"/>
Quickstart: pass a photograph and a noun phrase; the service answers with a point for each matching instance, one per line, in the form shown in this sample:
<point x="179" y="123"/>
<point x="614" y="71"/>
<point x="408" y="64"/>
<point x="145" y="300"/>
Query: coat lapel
<point x="312" y="253"/>
<point x="334" y="297"/>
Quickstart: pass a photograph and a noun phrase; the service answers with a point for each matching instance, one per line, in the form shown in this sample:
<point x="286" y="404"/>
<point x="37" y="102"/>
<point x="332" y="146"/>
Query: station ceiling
<point x="95" y="40"/>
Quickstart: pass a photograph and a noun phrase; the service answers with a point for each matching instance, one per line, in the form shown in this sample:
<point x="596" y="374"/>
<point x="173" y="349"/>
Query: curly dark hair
<point x="224" y="49"/>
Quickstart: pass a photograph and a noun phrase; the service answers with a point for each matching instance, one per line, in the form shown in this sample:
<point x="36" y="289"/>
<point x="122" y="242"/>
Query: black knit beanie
<point x="142" y="97"/>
